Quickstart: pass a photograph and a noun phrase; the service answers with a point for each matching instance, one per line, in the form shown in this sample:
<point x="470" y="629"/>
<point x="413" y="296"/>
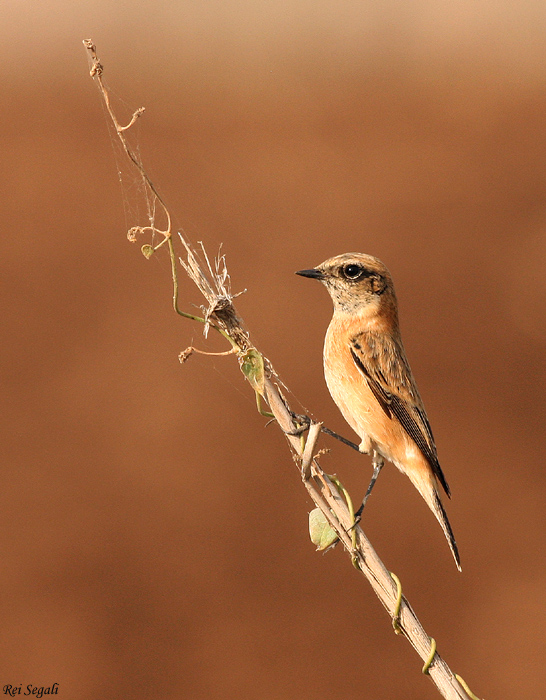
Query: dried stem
<point x="220" y="313"/>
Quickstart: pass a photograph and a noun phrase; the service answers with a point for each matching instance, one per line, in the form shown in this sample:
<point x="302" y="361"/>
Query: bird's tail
<point x="429" y="492"/>
<point x="439" y="512"/>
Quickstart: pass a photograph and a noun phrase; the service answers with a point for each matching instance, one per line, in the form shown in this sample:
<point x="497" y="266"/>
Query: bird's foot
<point x="303" y="423"/>
<point x="357" y="519"/>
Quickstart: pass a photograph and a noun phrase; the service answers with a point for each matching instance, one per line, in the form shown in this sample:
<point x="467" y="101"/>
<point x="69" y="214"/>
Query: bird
<point x="370" y="380"/>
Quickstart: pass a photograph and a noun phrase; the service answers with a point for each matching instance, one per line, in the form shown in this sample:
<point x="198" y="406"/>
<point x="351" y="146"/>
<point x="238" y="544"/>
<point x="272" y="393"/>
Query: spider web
<point x="140" y="204"/>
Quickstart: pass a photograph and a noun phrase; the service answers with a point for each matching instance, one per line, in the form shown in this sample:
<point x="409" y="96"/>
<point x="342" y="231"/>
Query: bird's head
<point x="356" y="282"/>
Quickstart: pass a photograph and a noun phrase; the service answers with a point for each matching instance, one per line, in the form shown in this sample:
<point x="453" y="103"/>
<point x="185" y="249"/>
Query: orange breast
<point x="350" y="391"/>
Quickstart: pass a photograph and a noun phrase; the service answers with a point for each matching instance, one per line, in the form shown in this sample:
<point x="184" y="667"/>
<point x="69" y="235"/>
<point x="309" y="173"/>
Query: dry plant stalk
<point x="220" y="314"/>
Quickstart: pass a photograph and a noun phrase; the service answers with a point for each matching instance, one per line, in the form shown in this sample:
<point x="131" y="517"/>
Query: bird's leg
<point x="305" y="422"/>
<point x="340" y="438"/>
<point x="377" y="462"/>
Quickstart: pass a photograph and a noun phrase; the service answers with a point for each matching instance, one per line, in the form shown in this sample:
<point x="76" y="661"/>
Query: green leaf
<point x="252" y="366"/>
<point x="321" y="533"/>
<point x="147" y="250"/>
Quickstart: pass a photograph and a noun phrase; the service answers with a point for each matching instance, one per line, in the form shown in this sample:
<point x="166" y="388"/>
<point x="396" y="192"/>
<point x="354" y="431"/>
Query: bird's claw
<point x="304" y="422"/>
<point x="357" y="519"/>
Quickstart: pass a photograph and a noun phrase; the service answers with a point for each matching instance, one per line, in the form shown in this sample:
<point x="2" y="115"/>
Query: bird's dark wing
<point x="382" y="361"/>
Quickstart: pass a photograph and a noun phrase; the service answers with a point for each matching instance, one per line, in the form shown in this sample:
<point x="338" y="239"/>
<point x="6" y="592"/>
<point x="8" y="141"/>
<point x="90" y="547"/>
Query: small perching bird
<point x="370" y="379"/>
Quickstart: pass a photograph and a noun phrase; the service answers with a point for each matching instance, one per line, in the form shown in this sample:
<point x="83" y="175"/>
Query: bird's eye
<point x="352" y="272"/>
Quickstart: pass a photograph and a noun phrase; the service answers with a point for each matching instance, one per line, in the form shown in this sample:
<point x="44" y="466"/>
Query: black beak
<point x="314" y="274"/>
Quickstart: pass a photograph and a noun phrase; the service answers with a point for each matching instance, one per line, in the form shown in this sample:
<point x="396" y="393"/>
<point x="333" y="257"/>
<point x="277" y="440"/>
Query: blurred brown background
<point x="153" y="533"/>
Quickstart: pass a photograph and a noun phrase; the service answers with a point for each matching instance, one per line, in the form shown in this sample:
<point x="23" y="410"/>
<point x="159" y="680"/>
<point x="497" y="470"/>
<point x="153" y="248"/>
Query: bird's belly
<point x="363" y="412"/>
